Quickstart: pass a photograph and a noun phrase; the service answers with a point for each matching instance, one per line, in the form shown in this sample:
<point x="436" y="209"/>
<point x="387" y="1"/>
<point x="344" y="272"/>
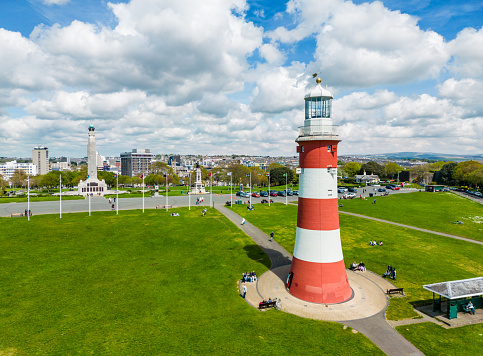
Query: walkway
<point x="271" y="284"/>
<point x="413" y="227"/>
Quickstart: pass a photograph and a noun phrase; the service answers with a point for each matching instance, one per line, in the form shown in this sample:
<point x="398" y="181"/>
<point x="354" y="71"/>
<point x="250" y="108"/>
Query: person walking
<point x="244" y="289"/>
<point x="271" y="236"/>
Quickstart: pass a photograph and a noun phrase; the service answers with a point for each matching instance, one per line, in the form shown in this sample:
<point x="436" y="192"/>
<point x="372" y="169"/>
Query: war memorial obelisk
<point x="317" y="273"/>
<point x="92" y="185"/>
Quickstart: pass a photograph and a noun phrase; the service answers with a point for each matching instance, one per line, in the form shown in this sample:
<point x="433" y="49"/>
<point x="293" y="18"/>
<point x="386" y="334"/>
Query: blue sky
<point x="229" y="76"/>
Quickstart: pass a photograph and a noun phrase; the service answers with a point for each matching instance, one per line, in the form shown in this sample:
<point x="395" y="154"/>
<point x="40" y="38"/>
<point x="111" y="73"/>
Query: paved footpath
<point x="413" y="227"/>
<point x="375" y="327"/>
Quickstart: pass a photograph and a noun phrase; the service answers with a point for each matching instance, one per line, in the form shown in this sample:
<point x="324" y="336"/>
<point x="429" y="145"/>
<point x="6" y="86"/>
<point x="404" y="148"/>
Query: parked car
<point x="256" y="194"/>
<point x="349" y="196"/>
<point x="341" y="190"/>
<point x="246" y="195"/>
<point x="478" y="194"/>
<point x="265" y="201"/>
<point x="352" y="190"/>
<point x="295" y="192"/>
<point x="395" y="188"/>
<point x="263" y="194"/>
<point x="288" y="192"/>
<point x="273" y="193"/>
<point x="383" y="190"/>
<point x="239" y="194"/>
<point x="281" y="193"/>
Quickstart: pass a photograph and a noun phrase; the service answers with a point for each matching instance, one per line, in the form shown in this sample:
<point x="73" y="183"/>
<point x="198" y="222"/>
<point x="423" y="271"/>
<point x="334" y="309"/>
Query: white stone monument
<point x="198" y="187"/>
<point x="92" y="185"/>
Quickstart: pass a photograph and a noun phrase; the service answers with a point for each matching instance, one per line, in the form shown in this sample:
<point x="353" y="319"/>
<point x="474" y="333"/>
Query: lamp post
<point x="189" y="195"/>
<point x="117" y="194"/>
<point x="143" y="190"/>
<point x="286" y="186"/>
<point x="268" y="175"/>
<point x="28" y="197"/>
<point x="231" y="188"/>
<point x="60" y="196"/>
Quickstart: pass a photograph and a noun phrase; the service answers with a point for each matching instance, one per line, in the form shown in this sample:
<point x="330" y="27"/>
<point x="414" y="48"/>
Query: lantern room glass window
<point x="317" y="107"/>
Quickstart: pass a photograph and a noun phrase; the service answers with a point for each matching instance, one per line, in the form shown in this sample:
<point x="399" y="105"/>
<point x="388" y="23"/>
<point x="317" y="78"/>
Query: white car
<point x="349" y="195"/>
<point x="341" y="190"/>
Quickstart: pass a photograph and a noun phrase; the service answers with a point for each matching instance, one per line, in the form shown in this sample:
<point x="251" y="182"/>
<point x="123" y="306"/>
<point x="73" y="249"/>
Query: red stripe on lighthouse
<point x="318" y="214"/>
<point x="319" y="282"/>
<point x="317" y="155"/>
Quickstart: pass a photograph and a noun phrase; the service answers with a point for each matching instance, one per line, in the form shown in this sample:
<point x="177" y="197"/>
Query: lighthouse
<point x="317" y="273"/>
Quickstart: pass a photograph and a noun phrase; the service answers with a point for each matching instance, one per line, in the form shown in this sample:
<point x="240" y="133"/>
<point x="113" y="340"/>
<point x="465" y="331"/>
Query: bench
<point x="267" y="305"/>
<point x="16" y="215"/>
<point x="163" y="206"/>
<point x="395" y="290"/>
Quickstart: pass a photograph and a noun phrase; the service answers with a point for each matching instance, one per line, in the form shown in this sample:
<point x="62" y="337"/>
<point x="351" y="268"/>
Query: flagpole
<point x="117" y="193"/>
<point x="143" y="193"/>
<point x="250" y="190"/>
<point x="28" y="197"/>
<point x="286" y="186"/>
<point x="189" y="195"/>
<point x="269" y="196"/>
<point x="211" y="189"/>
<point x="231" y="189"/>
<point x="60" y="195"/>
<point x="167" y="192"/>
<point x="89" y="205"/>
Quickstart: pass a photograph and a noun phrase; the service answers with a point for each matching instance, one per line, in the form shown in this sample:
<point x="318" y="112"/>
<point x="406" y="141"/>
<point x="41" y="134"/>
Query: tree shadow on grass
<point x="269" y="257"/>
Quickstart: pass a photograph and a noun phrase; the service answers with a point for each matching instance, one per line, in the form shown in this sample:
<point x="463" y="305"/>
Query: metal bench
<point x="267" y="305"/>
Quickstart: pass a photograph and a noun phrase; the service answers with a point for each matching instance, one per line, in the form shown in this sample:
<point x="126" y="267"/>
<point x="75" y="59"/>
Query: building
<point x="318" y="273"/>
<point x="8" y="169"/>
<point x="40" y="157"/>
<point x="367" y="178"/>
<point x="136" y="162"/>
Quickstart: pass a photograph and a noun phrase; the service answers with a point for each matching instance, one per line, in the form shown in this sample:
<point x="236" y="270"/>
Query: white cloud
<point x="55" y="2"/>
<point x="467" y="49"/>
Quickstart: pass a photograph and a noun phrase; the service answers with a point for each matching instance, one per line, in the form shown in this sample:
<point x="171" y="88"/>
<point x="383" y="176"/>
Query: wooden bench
<point x="267" y="305"/>
<point x="163" y="206"/>
<point x="16" y="215"/>
<point x="395" y="290"/>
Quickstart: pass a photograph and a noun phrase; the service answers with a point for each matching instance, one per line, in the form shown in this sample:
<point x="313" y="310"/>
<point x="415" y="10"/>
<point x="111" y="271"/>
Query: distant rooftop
<point x="457" y="289"/>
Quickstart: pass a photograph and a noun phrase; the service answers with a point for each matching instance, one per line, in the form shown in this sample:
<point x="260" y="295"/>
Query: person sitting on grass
<point x="361" y="267"/>
<point x="380" y="243"/>
<point x="353" y="266"/>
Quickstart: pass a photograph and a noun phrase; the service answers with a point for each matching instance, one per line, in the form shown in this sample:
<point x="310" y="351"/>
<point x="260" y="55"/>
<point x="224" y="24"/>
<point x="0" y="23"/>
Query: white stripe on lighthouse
<point x="318" y="183"/>
<point x="318" y="246"/>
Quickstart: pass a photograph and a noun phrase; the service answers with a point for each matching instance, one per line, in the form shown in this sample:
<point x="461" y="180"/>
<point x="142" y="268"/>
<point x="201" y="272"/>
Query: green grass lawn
<point x="433" y="211"/>
<point x="149" y="284"/>
<point x="432" y="339"/>
<point x="419" y="258"/>
<point x="35" y="199"/>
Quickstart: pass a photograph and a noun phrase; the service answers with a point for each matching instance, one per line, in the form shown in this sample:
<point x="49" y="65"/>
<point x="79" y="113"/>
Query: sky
<point x="230" y="76"/>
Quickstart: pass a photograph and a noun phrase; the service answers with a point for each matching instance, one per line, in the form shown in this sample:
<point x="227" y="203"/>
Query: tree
<point x="273" y="165"/>
<point x="50" y="180"/>
<point x="161" y="168"/>
<point x="19" y="178"/>
<point x="445" y="174"/>
<point x="277" y="175"/>
<point x="420" y="172"/>
<point x="372" y="167"/>
<point x="352" y="168"/>
<point x="239" y="173"/>
<point x="464" y="172"/>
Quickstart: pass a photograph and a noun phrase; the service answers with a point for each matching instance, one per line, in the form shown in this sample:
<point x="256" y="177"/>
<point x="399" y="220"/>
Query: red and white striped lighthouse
<point x="318" y="272"/>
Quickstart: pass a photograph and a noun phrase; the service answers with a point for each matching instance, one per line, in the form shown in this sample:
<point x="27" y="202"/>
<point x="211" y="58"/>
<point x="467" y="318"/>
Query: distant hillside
<point x="426" y="156"/>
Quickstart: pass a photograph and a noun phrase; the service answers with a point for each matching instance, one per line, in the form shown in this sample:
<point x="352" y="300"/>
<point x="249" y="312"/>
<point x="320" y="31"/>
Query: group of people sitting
<point x="267" y="301"/>
<point x="458" y="222"/>
<point x="357" y="266"/>
<point x="390" y="273"/>
<point x="374" y="243"/>
<point x="174" y="214"/>
<point x="249" y="277"/>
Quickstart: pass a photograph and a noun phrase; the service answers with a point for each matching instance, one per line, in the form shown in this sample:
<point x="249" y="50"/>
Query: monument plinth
<point x="198" y="187"/>
<point x="92" y="185"/>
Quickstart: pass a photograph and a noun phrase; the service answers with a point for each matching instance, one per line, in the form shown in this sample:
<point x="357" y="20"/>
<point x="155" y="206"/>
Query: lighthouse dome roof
<point x="319" y="91"/>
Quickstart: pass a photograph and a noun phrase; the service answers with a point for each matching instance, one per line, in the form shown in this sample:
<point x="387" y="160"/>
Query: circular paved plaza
<point x="368" y="296"/>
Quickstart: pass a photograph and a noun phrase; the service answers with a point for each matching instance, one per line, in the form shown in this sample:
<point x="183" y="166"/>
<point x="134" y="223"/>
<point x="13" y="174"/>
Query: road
<point x="102" y="204"/>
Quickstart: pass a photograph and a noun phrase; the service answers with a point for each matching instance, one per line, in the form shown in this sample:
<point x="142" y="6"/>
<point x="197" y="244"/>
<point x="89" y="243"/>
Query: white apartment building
<point x="8" y="169"/>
